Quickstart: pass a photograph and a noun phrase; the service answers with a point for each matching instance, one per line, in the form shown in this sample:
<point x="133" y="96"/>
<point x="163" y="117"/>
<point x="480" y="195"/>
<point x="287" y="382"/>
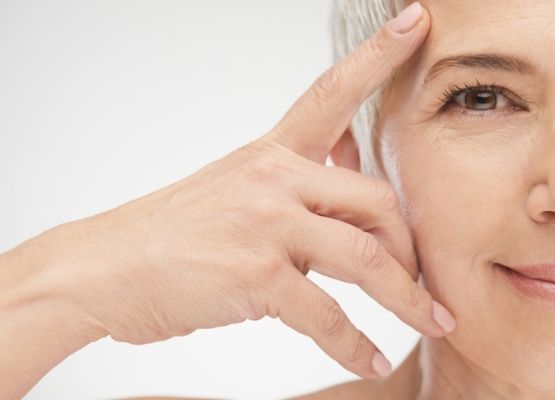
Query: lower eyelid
<point x="479" y="114"/>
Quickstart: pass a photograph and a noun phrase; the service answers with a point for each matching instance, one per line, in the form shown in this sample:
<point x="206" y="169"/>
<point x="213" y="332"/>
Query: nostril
<point x="548" y="216"/>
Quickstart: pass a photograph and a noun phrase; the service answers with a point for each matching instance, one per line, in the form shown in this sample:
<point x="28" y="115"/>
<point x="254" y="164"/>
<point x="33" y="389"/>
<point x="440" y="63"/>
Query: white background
<point x="104" y="101"/>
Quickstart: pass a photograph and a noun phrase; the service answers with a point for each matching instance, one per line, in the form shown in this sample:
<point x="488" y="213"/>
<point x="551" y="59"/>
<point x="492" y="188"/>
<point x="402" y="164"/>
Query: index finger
<point x="316" y="121"/>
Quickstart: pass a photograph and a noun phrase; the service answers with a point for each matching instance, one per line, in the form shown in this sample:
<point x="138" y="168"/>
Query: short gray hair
<point x="351" y="22"/>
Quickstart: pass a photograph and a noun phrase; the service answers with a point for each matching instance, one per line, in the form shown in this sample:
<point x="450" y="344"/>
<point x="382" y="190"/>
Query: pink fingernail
<point x="407" y="18"/>
<point x="380" y="364"/>
<point x="443" y="317"/>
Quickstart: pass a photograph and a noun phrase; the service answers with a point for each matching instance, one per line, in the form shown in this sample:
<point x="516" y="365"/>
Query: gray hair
<point x="351" y="22"/>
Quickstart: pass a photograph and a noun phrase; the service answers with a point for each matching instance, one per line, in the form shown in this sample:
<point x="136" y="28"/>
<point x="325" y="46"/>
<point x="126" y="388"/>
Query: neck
<point x="447" y="374"/>
<point x="436" y="370"/>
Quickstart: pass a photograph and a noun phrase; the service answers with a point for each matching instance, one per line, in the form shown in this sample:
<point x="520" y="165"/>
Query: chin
<point x="505" y="321"/>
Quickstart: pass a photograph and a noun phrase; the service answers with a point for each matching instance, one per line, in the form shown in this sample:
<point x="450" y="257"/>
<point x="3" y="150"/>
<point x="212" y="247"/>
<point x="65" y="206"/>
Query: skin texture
<point x="477" y="187"/>
<point x="231" y="242"/>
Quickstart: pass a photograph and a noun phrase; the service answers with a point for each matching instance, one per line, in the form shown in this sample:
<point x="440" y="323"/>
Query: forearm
<point x="40" y="324"/>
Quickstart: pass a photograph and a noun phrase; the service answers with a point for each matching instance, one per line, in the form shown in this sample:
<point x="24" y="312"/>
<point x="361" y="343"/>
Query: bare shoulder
<point x="360" y="389"/>
<point x="403" y="383"/>
<point x="169" y="398"/>
<point x="354" y="390"/>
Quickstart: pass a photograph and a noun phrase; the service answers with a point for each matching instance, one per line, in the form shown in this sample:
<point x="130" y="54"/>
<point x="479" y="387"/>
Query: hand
<point x="234" y="240"/>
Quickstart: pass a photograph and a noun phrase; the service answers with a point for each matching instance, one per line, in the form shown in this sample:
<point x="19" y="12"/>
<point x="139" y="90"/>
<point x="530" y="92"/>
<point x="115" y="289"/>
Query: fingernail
<point x="443" y="317"/>
<point x="407" y="18"/>
<point x="380" y="364"/>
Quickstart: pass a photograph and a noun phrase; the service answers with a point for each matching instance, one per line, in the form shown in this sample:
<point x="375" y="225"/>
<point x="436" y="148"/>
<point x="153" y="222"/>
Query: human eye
<point x="479" y="100"/>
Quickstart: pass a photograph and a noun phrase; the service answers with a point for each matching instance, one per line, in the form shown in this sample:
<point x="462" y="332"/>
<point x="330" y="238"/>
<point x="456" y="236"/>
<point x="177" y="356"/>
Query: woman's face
<point x="476" y="177"/>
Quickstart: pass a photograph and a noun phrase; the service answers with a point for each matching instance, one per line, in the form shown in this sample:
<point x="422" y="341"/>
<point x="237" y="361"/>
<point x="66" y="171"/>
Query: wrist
<point x="39" y="316"/>
<point x="43" y="271"/>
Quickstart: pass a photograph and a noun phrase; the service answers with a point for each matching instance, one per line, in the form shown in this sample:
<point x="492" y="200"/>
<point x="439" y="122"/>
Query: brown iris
<point x="480" y="99"/>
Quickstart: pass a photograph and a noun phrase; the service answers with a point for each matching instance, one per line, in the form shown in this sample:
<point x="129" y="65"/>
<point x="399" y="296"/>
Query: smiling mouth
<point x="537" y="282"/>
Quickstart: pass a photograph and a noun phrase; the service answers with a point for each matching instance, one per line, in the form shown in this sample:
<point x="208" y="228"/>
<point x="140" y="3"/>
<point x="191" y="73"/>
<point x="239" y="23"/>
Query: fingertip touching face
<point x="467" y="137"/>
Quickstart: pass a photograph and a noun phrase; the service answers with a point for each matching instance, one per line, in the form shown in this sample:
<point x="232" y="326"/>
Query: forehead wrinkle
<point x="486" y="61"/>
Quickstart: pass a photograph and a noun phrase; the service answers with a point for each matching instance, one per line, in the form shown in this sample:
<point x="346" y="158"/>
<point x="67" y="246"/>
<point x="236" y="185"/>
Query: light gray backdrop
<point x="104" y="101"/>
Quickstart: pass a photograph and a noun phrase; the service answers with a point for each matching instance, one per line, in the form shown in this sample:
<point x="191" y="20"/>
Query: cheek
<point x="461" y="195"/>
<point x="456" y="197"/>
<point x="458" y="191"/>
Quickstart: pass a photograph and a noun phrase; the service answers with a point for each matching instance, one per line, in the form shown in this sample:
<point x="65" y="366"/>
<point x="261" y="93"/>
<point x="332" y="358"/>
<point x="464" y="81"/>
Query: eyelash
<point x="447" y="98"/>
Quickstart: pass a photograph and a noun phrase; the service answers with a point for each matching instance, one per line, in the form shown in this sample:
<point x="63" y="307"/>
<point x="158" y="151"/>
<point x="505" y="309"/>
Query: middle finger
<point x="342" y="251"/>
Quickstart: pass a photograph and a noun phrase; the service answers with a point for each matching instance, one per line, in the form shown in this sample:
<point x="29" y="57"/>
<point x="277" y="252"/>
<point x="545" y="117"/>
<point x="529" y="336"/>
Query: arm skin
<point x="361" y="389"/>
<point x="39" y="324"/>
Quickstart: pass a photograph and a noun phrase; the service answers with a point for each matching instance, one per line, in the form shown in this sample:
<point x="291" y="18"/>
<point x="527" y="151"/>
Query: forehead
<point x="468" y="24"/>
<point x="519" y="27"/>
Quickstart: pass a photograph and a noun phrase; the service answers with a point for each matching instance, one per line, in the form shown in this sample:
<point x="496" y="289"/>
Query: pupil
<point x="481" y="100"/>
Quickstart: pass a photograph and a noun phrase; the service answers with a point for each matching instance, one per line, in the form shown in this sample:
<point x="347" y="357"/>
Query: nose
<point x="541" y="201"/>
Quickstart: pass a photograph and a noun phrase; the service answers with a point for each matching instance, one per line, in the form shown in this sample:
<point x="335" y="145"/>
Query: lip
<point x="536" y="281"/>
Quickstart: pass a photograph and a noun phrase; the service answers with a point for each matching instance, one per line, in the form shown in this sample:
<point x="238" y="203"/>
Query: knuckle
<point x="273" y="270"/>
<point x="259" y="287"/>
<point x="334" y="322"/>
<point x="358" y="352"/>
<point x="327" y="84"/>
<point x="414" y="295"/>
<point x="267" y="209"/>
<point x="371" y="256"/>
<point x="378" y="45"/>
<point x="385" y="194"/>
<point x="322" y="207"/>
<point x="259" y="168"/>
<point x="256" y="308"/>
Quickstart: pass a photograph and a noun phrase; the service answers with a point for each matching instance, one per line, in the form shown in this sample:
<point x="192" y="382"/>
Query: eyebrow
<point x="487" y="61"/>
